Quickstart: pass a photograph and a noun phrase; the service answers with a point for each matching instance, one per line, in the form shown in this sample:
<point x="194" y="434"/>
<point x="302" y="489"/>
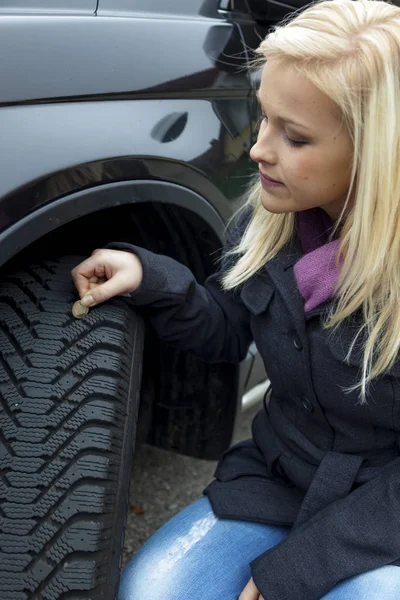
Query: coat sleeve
<point x="204" y="320"/>
<point x="352" y="535"/>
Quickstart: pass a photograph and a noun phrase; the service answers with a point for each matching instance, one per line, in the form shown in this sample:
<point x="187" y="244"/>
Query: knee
<point x="152" y="574"/>
<point x="139" y="578"/>
<point x="163" y="564"/>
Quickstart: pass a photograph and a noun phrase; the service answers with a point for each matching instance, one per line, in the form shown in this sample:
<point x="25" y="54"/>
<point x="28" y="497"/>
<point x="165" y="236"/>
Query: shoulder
<point x="238" y="224"/>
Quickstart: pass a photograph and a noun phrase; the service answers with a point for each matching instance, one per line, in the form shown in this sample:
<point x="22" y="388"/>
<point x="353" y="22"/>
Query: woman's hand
<point x="250" y="592"/>
<point x="105" y="274"/>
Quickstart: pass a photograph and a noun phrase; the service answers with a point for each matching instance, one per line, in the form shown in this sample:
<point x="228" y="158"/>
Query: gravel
<point x="163" y="483"/>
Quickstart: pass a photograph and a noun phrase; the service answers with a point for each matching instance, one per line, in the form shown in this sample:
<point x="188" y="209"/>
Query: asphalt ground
<point x="163" y="483"/>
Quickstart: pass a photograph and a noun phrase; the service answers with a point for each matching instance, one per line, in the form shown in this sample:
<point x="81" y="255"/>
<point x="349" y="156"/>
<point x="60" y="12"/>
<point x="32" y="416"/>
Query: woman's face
<point x="301" y="144"/>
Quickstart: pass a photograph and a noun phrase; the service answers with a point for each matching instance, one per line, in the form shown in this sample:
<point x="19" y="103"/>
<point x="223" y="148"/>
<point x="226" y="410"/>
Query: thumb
<point x="104" y="291"/>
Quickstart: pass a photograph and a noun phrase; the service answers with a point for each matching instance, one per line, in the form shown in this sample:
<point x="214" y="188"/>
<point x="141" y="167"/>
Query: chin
<point x="274" y="205"/>
<point x="279" y="204"/>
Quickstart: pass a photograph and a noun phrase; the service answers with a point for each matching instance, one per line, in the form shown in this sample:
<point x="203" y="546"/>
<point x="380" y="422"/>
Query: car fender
<point x="73" y="206"/>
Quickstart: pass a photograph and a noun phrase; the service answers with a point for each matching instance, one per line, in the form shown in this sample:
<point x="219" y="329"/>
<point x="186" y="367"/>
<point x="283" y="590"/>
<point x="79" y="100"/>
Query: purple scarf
<point x="316" y="273"/>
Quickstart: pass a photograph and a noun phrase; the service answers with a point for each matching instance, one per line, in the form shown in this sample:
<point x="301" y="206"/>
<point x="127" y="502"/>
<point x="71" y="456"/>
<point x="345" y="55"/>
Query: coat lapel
<point x="280" y="270"/>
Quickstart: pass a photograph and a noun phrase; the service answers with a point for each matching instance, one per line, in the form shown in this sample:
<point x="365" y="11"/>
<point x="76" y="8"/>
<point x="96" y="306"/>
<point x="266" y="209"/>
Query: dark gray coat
<point x="318" y="459"/>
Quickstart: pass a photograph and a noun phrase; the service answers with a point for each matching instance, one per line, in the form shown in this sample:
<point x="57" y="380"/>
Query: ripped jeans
<point x="197" y="556"/>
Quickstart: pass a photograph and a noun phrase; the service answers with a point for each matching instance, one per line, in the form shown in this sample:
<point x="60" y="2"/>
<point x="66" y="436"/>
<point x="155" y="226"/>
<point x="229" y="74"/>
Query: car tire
<point x="69" y="396"/>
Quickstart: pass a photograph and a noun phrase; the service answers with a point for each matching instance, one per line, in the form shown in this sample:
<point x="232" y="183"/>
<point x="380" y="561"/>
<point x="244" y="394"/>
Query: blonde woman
<point x="308" y="508"/>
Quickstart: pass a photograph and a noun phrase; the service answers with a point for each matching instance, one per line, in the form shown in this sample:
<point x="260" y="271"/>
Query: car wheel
<point x="69" y="395"/>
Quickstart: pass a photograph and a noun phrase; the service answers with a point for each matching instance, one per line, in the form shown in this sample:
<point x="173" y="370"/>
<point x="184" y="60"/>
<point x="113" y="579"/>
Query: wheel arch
<point x="61" y="211"/>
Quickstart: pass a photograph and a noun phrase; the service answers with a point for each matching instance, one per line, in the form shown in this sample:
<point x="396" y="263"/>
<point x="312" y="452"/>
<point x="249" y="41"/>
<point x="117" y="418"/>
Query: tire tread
<point x="68" y="411"/>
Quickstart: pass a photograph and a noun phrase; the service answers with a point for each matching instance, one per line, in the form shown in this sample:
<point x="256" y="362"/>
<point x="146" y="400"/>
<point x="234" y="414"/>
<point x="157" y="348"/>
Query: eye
<point x="288" y="140"/>
<point x="292" y="142"/>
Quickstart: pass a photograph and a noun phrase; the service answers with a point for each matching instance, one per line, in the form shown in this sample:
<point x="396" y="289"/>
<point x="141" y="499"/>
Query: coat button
<point x="297" y="343"/>
<point x="307" y="404"/>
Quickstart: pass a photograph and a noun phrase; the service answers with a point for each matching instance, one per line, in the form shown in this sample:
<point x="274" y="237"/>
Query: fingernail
<point x="87" y="301"/>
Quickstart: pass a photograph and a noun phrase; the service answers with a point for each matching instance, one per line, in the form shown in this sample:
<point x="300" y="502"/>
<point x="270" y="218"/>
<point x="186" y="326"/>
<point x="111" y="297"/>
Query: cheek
<point x="301" y="171"/>
<point x="338" y="176"/>
<point x="317" y="172"/>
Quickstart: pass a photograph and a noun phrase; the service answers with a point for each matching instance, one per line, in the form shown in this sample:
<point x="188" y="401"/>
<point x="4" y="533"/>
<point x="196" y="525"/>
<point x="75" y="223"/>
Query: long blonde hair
<point x="350" y="50"/>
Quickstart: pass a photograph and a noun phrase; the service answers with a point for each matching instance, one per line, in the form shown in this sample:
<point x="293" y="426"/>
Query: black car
<point x="126" y="120"/>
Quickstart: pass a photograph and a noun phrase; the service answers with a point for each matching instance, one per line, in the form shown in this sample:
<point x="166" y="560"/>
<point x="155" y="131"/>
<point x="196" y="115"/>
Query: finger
<point x="250" y="592"/>
<point x="248" y="595"/>
<point x="88" y="271"/>
<point x="96" y="281"/>
<point x="81" y="283"/>
<point x="91" y="267"/>
<point x="113" y="287"/>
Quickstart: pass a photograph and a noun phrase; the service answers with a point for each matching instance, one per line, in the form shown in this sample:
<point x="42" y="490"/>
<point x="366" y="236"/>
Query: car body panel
<point x="48" y="6"/>
<point x="55" y="118"/>
<point x="45" y="140"/>
<point x="43" y="53"/>
<point x="86" y="201"/>
<point x="177" y="8"/>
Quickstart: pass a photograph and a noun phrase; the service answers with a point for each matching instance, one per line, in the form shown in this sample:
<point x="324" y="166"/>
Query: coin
<point x="79" y="311"/>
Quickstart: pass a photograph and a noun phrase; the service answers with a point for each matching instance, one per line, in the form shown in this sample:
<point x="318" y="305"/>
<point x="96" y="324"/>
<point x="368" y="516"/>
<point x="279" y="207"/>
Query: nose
<point x="262" y="151"/>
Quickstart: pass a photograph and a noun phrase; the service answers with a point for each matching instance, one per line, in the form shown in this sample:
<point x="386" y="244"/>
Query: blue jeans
<point x="198" y="556"/>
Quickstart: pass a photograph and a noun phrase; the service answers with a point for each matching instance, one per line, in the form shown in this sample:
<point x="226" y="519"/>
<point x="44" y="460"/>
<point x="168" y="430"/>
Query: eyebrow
<point x="282" y="118"/>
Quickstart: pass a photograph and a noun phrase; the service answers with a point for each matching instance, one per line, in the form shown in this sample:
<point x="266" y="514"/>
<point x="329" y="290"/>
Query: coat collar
<point x="280" y="270"/>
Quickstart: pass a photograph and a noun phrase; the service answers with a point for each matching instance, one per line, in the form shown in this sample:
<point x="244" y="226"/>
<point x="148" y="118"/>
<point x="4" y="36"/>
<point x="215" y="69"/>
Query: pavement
<point x="163" y="483"/>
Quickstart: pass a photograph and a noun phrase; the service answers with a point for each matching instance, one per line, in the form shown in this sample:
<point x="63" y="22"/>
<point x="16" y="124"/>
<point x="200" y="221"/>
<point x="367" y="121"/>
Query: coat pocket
<point x="257" y="293"/>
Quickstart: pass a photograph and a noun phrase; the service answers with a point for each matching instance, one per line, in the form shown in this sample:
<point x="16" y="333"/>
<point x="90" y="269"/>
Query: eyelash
<point x="287" y="139"/>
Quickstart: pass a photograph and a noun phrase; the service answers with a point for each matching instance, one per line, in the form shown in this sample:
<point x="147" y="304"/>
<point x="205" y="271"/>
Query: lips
<point x="270" y="178"/>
